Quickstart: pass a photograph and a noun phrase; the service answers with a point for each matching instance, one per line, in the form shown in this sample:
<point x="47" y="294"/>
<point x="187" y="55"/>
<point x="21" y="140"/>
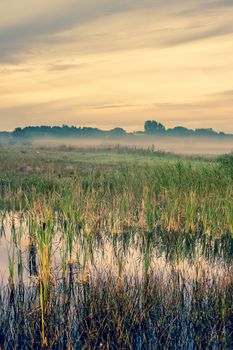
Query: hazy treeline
<point x="151" y="128"/>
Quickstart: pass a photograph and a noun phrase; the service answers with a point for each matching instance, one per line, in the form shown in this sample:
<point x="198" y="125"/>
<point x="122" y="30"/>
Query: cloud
<point x="112" y="62"/>
<point x="209" y="101"/>
<point x="56" y="67"/>
<point x="65" y="15"/>
<point x="214" y="110"/>
<point x="203" y="34"/>
<point x="43" y="27"/>
<point x="205" y="6"/>
<point x="222" y="95"/>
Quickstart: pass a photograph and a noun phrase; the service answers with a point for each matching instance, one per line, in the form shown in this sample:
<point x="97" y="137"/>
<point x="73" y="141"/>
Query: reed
<point x="104" y="253"/>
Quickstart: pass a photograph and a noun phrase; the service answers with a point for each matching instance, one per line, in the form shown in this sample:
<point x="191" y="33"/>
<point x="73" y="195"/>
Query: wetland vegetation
<point x="115" y="250"/>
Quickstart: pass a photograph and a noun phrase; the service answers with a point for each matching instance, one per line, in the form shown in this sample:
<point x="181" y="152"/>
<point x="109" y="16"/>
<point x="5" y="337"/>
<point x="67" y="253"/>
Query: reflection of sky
<point x="106" y="257"/>
<point x="108" y="63"/>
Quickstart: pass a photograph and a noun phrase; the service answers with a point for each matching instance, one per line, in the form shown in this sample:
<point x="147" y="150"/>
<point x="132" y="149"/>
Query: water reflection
<point x="128" y="254"/>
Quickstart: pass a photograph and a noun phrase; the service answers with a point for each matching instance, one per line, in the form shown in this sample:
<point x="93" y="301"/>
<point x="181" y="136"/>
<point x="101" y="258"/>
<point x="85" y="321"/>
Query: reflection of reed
<point x="126" y="254"/>
<point x="32" y="264"/>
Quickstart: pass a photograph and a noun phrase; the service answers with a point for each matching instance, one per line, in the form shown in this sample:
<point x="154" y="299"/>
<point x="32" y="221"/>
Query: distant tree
<point x="205" y="132"/>
<point x="18" y="132"/>
<point x="179" y="131"/>
<point x="153" y="127"/>
<point x="117" y="132"/>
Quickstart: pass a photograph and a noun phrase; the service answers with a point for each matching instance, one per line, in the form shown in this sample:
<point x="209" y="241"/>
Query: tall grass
<point x="119" y="256"/>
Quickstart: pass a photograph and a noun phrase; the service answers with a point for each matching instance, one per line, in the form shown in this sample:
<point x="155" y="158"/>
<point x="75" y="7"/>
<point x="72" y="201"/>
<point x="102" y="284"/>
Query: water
<point x="106" y="290"/>
<point x="128" y="254"/>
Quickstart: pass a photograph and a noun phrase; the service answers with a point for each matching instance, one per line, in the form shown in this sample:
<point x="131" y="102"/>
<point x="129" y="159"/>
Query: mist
<point x="185" y="145"/>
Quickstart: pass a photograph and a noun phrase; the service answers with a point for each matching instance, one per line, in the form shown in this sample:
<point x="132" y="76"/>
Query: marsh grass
<point x="119" y="256"/>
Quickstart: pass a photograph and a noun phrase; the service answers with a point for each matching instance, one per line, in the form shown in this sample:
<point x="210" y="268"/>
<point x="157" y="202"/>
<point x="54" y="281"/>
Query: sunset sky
<point x="110" y="63"/>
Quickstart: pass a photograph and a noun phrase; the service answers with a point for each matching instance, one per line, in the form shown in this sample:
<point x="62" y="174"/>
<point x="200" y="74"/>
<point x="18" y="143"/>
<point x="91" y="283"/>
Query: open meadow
<point x="117" y="249"/>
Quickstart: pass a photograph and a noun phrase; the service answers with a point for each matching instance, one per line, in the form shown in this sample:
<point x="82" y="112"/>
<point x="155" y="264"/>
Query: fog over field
<point x="183" y="145"/>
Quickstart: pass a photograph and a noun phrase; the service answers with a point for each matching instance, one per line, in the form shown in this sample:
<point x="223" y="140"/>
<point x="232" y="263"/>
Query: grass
<point x="124" y="250"/>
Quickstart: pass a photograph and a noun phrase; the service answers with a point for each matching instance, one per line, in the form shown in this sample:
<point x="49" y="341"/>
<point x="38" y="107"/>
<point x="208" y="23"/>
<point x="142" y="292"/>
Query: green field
<point x="115" y="249"/>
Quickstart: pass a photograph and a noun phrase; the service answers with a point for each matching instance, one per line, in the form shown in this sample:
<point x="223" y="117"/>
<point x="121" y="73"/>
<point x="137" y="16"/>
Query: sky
<point x="108" y="63"/>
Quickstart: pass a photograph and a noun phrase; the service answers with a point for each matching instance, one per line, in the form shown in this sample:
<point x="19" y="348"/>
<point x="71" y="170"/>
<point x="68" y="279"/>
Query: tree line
<point x="151" y="128"/>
